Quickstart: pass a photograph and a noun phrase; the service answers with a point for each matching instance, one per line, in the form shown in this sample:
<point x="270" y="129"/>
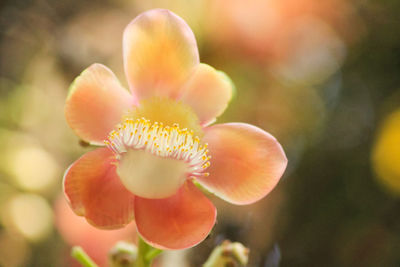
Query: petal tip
<point x="247" y="162"/>
<point x="95" y="93"/>
<point x="159" y="51"/>
<point x="208" y="91"/>
<point x="93" y="190"/>
<point x="178" y="222"/>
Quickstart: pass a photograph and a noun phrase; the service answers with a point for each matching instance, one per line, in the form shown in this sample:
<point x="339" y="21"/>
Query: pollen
<point x="162" y="141"/>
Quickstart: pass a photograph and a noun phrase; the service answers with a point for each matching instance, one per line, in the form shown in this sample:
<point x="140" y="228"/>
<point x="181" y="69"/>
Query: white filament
<point x="168" y="142"/>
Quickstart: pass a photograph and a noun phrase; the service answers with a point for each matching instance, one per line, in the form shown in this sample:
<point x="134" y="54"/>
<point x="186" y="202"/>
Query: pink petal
<point x="208" y="92"/>
<point x="160" y="52"/>
<point x="94" y="190"/>
<point x="246" y="162"/>
<point x="177" y="222"/>
<point x="96" y="103"/>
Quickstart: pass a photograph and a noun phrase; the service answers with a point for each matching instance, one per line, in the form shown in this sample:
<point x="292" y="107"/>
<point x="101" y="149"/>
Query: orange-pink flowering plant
<point x="159" y="144"/>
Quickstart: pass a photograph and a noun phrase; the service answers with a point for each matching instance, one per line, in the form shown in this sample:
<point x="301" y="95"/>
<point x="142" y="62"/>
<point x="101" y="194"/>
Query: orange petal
<point x="160" y="52"/>
<point x="177" y="222"/>
<point x="246" y="162"/>
<point x="208" y="92"/>
<point x="96" y="103"/>
<point x="94" y="190"/>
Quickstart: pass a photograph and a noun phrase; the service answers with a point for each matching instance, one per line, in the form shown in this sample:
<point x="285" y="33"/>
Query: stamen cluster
<point x="162" y="141"/>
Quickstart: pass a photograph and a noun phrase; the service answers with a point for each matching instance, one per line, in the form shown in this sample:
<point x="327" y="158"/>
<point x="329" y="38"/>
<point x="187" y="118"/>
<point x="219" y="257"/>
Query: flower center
<point x="154" y="160"/>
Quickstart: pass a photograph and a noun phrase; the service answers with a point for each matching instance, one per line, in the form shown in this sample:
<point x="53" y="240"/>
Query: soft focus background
<point x="323" y="76"/>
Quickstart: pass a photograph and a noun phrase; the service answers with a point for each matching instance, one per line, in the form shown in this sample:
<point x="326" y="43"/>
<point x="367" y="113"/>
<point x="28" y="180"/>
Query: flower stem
<point x="146" y="254"/>
<point x="80" y="255"/>
<point x="153" y="253"/>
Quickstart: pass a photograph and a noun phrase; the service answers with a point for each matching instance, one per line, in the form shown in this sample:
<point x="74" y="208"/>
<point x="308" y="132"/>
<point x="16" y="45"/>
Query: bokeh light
<point x="386" y="153"/>
<point x="300" y="41"/>
<point x="29" y="215"/>
<point x="27" y="164"/>
<point x="34" y="169"/>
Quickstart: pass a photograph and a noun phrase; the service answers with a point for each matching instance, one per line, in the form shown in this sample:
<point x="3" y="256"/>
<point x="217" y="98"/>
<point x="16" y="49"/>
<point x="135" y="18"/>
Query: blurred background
<point x="323" y="76"/>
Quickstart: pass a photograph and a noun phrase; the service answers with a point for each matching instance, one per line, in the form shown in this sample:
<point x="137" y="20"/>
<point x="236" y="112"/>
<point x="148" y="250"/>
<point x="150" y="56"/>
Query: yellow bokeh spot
<point x="386" y="153"/>
<point x="33" y="168"/>
<point x="30" y="215"/>
<point x="168" y="112"/>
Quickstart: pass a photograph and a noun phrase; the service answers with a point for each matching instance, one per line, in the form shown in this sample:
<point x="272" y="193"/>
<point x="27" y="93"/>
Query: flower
<point x="302" y="41"/>
<point x="159" y="141"/>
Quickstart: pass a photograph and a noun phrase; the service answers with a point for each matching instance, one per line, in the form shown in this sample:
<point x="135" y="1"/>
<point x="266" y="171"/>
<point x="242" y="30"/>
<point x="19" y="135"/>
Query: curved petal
<point x="177" y="222"/>
<point x="94" y="190"/>
<point x="246" y="162"/>
<point x="160" y="52"/>
<point x="208" y="92"/>
<point x="96" y="103"/>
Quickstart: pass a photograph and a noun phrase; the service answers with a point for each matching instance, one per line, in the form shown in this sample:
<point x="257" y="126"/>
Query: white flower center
<point x="153" y="160"/>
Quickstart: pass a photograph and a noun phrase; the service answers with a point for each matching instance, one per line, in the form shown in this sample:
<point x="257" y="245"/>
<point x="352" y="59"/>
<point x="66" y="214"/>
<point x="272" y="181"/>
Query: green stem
<point x="153" y="253"/>
<point x="80" y="255"/>
<point x="146" y="254"/>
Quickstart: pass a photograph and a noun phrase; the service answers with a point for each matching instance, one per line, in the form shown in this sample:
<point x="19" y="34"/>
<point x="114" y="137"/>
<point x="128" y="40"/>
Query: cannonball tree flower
<point x="159" y="142"/>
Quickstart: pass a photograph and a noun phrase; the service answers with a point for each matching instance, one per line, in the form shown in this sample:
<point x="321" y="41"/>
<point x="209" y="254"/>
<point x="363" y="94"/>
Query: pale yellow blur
<point x="34" y="169"/>
<point x="29" y="215"/>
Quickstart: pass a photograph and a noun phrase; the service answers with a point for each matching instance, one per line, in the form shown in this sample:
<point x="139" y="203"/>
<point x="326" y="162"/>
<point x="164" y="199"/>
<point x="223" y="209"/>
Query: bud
<point x="123" y="254"/>
<point x="228" y="254"/>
